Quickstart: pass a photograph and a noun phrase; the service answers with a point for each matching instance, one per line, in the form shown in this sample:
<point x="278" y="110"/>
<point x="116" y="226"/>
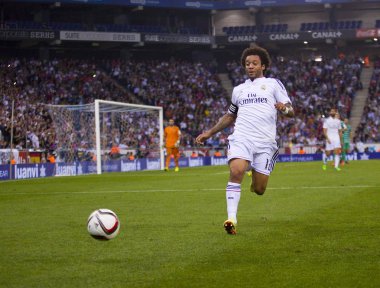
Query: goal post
<point x="96" y="127"/>
<point x="132" y="108"/>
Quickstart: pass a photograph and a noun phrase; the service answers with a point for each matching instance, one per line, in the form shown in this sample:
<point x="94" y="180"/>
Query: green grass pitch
<point x="312" y="228"/>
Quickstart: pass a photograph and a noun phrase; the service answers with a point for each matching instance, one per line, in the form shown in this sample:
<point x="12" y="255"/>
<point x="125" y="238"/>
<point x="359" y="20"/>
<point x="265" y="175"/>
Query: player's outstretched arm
<point x="225" y="121"/>
<point x="286" y="109"/>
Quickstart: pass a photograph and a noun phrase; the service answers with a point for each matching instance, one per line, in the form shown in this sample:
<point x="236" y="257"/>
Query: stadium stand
<point x="56" y="26"/>
<point x="190" y="91"/>
<point x="186" y="90"/>
<point x="244" y="30"/>
<point x="323" y="26"/>
<point x="33" y="83"/>
<point x="368" y="130"/>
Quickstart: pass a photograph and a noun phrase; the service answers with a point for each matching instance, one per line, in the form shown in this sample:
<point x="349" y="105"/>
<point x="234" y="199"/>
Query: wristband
<point x="286" y="111"/>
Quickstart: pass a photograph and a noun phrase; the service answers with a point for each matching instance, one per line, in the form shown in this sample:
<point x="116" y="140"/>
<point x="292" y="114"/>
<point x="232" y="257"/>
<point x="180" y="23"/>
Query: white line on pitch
<point x="183" y="190"/>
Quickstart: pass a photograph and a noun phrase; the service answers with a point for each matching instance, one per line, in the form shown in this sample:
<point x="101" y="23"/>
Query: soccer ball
<point x="103" y="224"/>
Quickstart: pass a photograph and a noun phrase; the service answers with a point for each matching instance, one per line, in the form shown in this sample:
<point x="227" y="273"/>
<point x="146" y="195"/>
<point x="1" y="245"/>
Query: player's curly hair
<point x="259" y="51"/>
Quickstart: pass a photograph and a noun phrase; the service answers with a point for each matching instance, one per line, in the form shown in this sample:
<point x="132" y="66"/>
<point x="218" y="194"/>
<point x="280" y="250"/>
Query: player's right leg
<point x="233" y="191"/>
<point x="239" y="156"/>
<point x="343" y="158"/>
<point x="325" y="156"/>
<point x="168" y="155"/>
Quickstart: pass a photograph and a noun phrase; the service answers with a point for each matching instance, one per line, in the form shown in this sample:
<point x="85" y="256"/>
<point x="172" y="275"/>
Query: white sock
<point x="337" y="159"/>
<point x="233" y="198"/>
<point x="324" y="158"/>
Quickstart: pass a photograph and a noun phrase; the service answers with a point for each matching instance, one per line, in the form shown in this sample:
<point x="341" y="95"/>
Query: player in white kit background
<point x="332" y="130"/>
<point x="252" y="146"/>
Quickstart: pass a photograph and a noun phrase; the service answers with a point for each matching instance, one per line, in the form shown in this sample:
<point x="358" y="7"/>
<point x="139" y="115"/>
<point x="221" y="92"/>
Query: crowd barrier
<point x="42" y="170"/>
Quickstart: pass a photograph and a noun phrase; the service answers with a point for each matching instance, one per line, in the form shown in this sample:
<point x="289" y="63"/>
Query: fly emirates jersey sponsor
<point x="257" y="115"/>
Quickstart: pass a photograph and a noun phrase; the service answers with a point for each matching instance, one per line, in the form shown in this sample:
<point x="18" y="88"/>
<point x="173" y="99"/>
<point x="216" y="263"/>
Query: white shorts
<point x="335" y="144"/>
<point x="262" y="156"/>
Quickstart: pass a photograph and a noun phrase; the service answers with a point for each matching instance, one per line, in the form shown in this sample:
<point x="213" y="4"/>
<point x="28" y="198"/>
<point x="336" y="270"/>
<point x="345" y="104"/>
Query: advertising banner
<point x="367" y="33"/>
<point x="30" y="171"/>
<point x="99" y="36"/>
<point x="195" y="162"/>
<point x="175" y="38"/>
<point x="127" y="165"/>
<point x="28" y="35"/>
<point x="4" y="172"/>
<point x="311" y="36"/>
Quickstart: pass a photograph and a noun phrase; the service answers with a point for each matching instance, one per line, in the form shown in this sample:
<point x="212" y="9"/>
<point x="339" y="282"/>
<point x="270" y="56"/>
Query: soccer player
<point x="172" y="135"/>
<point x="332" y="131"/>
<point x="252" y="146"/>
<point x="343" y="128"/>
<point x="346" y="140"/>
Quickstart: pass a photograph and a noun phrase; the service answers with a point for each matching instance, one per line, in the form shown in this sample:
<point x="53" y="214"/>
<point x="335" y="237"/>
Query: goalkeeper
<point x="172" y="135"/>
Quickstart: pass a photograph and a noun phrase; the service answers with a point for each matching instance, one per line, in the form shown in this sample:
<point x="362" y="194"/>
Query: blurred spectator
<point x="13" y="160"/>
<point x="51" y="158"/>
<point x="194" y="154"/>
<point x="115" y="152"/>
<point x="131" y="157"/>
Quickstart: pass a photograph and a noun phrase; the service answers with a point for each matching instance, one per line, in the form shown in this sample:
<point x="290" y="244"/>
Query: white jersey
<point x="333" y="126"/>
<point x="256" y="115"/>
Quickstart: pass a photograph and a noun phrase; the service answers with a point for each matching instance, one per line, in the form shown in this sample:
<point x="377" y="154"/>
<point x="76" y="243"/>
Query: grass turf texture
<point x="312" y="228"/>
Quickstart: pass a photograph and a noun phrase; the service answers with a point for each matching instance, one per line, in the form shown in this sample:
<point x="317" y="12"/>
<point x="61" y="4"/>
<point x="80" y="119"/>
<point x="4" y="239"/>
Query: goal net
<point x="105" y="131"/>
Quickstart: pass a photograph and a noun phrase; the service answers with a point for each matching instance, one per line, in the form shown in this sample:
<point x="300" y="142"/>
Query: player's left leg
<point x="263" y="164"/>
<point x="325" y="157"/>
<point x="343" y="156"/>
<point x="259" y="182"/>
<point x="176" y="159"/>
<point x="168" y="155"/>
<point x="346" y="150"/>
<point x="337" y="158"/>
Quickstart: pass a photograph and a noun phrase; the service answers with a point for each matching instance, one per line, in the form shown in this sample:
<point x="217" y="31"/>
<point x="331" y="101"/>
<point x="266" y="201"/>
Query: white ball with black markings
<point x="103" y="224"/>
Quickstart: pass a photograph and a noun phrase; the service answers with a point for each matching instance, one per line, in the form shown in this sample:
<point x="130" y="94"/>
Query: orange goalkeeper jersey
<point x="172" y="134"/>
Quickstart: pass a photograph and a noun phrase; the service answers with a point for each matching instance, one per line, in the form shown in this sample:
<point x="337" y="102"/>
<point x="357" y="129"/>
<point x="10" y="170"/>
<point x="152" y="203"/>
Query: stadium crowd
<point x="368" y="130"/>
<point x="188" y="92"/>
<point x="34" y="83"/>
<point x="191" y="93"/>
